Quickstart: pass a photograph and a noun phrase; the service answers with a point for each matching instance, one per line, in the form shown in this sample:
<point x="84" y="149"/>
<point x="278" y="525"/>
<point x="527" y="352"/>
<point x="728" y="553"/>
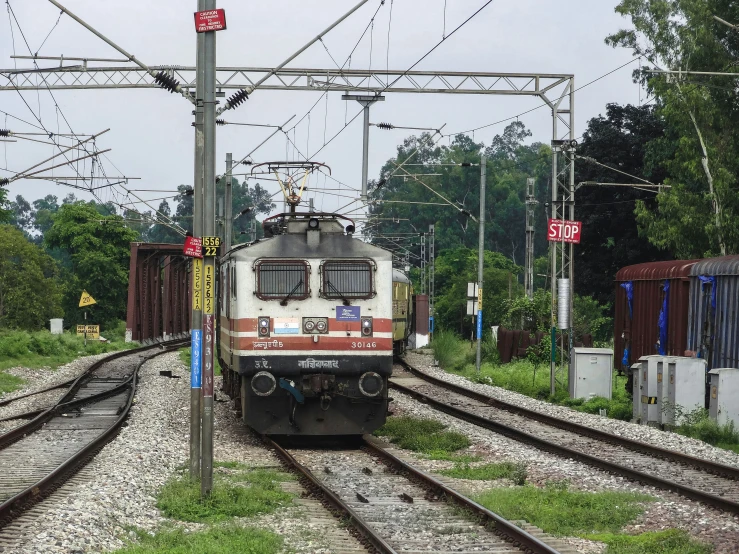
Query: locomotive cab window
<point x="282" y="280"/>
<point x="347" y="279"/>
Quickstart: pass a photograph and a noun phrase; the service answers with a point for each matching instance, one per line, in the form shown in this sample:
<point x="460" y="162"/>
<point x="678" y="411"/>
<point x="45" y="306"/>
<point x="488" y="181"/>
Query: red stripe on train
<point x="246" y="324"/>
<point x="275" y="344"/>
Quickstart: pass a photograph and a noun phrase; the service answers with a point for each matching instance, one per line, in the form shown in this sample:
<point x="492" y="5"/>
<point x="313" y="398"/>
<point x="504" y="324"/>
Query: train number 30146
<point x="362" y="344"/>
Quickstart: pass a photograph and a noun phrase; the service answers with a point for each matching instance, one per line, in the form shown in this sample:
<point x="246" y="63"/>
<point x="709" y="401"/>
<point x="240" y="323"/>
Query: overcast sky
<point x="151" y="135"/>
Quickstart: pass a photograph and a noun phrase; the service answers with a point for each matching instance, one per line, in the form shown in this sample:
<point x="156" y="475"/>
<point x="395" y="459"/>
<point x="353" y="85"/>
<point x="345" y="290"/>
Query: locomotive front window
<point x="282" y="280"/>
<point x="343" y="280"/>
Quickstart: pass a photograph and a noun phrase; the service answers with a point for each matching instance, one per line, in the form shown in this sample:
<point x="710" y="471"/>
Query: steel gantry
<point x="555" y="90"/>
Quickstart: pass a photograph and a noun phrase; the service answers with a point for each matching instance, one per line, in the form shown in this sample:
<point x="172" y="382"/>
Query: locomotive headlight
<point x="366" y="326"/>
<point x="263" y="326"/>
<point x="321" y="326"/>
<point x="263" y="383"/>
<point x="370" y="384"/>
<point x="309" y="326"/>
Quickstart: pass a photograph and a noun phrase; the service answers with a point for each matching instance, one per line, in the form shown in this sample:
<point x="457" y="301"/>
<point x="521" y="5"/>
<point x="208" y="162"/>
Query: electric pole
<point x="431" y="275"/>
<point x="209" y="231"/>
<point x="366" y="101"/>
<point x="228" y="213"/>
<point x="196" y="346"/>
<point x="529" y="262"/>
<point x="480" y="260"/>
<point x="423" y="263"/>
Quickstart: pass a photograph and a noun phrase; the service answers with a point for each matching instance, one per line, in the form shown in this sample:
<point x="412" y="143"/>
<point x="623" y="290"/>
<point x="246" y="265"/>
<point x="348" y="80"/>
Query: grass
<point x="524" y="377"/>
<point x="697" y="424"/>
<point x="186" y="358"/>
<point x="41" y="349"/>
<point x="426" y="436"/>
<point x="489" y="472"/>
<point x="670" y="541"/>
<point x="560" y="511"/>
<point x="216" y="540"/>
<point x="237" y="492"/>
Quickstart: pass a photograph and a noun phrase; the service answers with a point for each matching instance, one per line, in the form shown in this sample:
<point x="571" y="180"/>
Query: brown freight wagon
<point x="638" y="328"/>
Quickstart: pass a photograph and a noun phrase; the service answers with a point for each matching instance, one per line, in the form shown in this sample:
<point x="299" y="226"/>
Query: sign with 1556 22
<point x="211" y="246"/>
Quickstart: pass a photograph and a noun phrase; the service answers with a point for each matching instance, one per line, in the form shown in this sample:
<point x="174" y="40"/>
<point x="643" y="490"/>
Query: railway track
<point x="695" y="478"/>
<point x="394" y="507"/>
<point x="40" y="454"/>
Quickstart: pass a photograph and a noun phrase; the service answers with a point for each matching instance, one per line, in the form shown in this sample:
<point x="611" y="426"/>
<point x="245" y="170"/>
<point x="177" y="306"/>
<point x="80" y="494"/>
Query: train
<point x="309" y="320"/>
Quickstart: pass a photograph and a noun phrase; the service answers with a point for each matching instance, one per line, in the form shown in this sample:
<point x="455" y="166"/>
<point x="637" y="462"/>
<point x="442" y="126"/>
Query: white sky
<point x="151" y="135"/>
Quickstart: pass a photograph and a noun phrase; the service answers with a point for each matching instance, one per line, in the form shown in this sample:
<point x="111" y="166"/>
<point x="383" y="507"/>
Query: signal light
<point x="263" y="326"/>
<point x="366" y="324"/>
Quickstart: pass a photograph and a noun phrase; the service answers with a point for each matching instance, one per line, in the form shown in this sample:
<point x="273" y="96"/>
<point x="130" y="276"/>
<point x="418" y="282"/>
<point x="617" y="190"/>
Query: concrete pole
<point x="209" y="230"/>
<point x="197" y="268"/>
<point x="228" y="213"/>
<point x="365" y="151"/>
<point x="480" y="259"/>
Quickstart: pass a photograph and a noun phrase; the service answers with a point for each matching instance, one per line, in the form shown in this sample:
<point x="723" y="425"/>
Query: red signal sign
<point x="193" y="247"/>
<point x="559" y="230"/>
<point x="210" y="20"/>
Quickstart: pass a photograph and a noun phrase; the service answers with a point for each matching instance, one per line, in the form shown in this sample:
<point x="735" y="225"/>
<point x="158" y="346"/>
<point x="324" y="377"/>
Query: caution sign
<point x="479" y="298"/>
<point x="197" y="284"/>
<point x="86" y="299"/>
<point x="648" y="399"/>
<point x="209" y="296"/>
<point x="92" y="331"/>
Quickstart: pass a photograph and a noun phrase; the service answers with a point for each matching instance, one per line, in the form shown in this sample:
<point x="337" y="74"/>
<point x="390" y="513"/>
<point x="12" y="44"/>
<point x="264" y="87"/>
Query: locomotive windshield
<point x="344" y="279"/>
<point x="282" y="279"/>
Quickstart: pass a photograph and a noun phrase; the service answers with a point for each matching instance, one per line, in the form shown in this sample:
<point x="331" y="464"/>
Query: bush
<point x="698" y="425"/>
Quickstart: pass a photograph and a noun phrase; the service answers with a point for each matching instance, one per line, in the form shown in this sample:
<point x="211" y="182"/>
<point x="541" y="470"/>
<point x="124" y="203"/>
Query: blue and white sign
<point x="347" y="313"/>
<point x="196" y="374"/>
<point x="479" y="324"/>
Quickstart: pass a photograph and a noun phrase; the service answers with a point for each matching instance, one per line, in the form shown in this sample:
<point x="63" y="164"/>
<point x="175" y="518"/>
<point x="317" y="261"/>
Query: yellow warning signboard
<point x="208" y="296"/>
<point x="197" y="284"/>
<point x="93" y="331"/>
<point x="86" y="299"/>
<point x="479" y="298"/>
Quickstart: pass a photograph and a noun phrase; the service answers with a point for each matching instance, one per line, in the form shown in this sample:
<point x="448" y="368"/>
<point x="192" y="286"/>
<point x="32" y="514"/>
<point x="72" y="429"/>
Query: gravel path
<point x="643" y="433"/>
<point x="669" y="511"/>
<point x="91" y="514"/>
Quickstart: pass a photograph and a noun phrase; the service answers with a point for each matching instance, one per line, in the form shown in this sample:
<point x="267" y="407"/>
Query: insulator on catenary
<point x="5" y="132"/>
<point x="220" y="122"/>
<point x="380" y="183"/>
<point x="4" y="182"/>
<point x="237" y="99"/>
<point x="166" y="81"/>
<point x="386" y="126"/>
<point x="466" y="164"/>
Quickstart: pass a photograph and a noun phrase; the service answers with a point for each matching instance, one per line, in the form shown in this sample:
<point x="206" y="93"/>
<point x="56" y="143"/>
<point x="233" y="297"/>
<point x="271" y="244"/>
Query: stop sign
<point x="559" y="230"/>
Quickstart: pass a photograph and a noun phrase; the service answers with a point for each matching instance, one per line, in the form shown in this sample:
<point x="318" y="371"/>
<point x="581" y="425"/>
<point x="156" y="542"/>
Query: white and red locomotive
<point x="306" y="327"/>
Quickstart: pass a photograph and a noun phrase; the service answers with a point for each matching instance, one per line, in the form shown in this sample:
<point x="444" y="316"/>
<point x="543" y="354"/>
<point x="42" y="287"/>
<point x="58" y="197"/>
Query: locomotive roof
<point x="400" y="277"/>
<point x="332" y="245"/>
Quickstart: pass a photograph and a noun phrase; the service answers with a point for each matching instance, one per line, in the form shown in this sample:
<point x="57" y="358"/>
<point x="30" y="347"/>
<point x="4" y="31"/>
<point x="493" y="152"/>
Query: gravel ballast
<point x="94" y="514"/>
<point x="643" y="433"/>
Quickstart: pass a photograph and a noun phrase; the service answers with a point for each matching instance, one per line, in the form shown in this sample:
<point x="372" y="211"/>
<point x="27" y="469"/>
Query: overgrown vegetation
<point x="697" y="424"/>
<point x="489" y="472"/>
<point x="670" y="541"/>
<point x="426" y="436"/>
<point x="237" y="492"/>
<point x="560" y="511"/>
<point x="528" y="377"/>
<point x="216" y="540"/>
<point x="42" y="349"/>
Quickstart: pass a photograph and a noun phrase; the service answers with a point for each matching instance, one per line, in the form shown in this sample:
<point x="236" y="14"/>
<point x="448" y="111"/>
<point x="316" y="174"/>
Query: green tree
<point x="29" y="292"/>
<point x="698" y="215"/>
<point x="5" y="213"/>
<point x="610" y="237"/>
<point x="454" y="269"/>
<point x="99" y="251"/>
